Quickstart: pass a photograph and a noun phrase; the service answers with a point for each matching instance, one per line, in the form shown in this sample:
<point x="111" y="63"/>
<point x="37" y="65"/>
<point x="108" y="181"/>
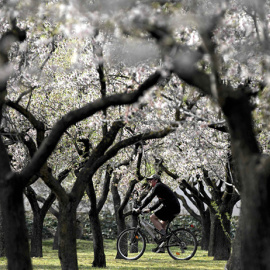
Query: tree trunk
<point x="36" y="238"/>
<point x="219" y="244"/>
<point x="2" y="236"/>
<point x="121" y="225"/>
<point x="99" y="255"/>
<point x="234" y="262"/>
<point x="254" y="171"/>
<point x="222" y="240"/>
<point x="39" y="214"/>
<point x="16" y="237"/>
<point x="214" y="221"/>
<point x="119" y="217"/>
<point x="255" y="217"/>
<point x="67" y="236"/>
<point x="120" y="221"/>
<point x="206" y="225"/>
<point x="56" y="238"/>
<point x="134" y="220"/>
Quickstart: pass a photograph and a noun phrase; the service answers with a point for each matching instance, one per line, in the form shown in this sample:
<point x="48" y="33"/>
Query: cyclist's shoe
<point x="161" y="250"/>
<point x="158" y="249"/>
<point x="162" y="239"/>
<point x="155" y="249"/>
<point x="183" y="245"/>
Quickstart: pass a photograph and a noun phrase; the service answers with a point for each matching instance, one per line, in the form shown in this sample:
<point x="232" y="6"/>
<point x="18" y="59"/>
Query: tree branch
<point x="187" y="207"/>
<point x="38" y="125"/>
<point x="49" y="144"/>
<point x="106" y="188"/>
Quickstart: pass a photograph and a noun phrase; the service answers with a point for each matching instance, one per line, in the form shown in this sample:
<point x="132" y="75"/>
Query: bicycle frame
<point x="142" y="223"/>
<point x="150" y="229"/>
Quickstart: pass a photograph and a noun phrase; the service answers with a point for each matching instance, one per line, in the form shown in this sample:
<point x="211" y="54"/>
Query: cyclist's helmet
<point x="154" y="176"/>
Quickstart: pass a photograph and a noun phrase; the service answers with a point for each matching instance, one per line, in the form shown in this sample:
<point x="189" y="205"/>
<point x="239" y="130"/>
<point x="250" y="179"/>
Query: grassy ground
<point x="149" y="260"/>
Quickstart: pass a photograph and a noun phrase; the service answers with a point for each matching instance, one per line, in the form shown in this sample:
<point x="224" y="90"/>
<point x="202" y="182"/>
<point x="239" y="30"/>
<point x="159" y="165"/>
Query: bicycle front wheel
<point x="182" y="244"/>
<point x="131" y="244"/>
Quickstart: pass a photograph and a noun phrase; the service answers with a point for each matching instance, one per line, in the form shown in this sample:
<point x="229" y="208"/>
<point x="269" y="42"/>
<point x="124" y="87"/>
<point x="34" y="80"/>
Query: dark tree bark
<point x="56" y="214"/>
<point x="14" y="223"/>
<point x="39" y="213"/>
<point x="16" y="236"/>
<point x="119" y="215"/>
<point x="2" y="236"/>
<point x="206" y="226"/>
<point x="56" y="238"/>
<point x="67" y="235"/>
<point x="234" y="262"/>
<point x="221" y="216"/>
<point x="99" y="254"/>
<point x="220" y="242"/>
<point x="38" y="219"/>
<point x="36" y="237"/>
<point x="254" y="173"/>
<point x="95" y="208"/>
<point x="221" y="207"/>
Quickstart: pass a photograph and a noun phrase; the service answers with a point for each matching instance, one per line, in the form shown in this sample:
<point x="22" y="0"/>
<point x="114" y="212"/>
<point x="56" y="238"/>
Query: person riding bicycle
<point x="166" y="197"/>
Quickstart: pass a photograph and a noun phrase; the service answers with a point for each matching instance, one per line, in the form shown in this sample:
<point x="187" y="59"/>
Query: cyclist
<point x="170" y="208"/>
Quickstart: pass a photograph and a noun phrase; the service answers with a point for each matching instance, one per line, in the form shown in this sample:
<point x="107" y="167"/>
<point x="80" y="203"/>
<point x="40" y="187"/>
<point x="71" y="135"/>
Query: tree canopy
<point x="83" y="81"/>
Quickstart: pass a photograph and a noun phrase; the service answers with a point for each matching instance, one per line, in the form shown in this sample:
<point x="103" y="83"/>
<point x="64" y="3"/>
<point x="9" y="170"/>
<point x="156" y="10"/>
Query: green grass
<point x="149" y="260"/>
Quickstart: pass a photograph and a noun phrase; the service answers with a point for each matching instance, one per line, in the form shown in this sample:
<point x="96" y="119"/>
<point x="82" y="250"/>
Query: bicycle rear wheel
<point x="182" y="244"/>
<point x="131" y="244"/>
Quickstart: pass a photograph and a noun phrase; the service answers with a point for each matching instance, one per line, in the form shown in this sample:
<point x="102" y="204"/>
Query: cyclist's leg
<point x="162" y="217"/>
<point x="160" y="225"/>
<point x="157" y="222"/>
<point x="164" y="224"/>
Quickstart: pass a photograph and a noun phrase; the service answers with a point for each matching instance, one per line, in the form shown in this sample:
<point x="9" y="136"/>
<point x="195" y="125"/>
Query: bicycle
<point x="181" y="243"/>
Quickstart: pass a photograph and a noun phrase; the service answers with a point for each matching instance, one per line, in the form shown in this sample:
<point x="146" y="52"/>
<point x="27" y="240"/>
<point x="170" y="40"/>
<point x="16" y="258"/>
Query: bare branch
<point x="75" y="116"/>
<point x="106" y="188"/>
<point x="187" y="207"/>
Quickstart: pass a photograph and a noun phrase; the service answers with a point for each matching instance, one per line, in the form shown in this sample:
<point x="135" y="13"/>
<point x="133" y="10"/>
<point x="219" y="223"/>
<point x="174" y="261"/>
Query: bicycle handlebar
<point x="141" y="212"/>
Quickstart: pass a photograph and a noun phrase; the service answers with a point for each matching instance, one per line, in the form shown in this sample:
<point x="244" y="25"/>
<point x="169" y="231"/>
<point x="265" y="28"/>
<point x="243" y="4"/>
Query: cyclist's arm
<point x="155" y="206"/>
<point x="148" y="200"/>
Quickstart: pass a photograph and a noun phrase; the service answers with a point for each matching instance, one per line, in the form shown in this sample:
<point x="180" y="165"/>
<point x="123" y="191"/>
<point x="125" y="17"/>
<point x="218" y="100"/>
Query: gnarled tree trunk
<point x="120" y="220"/>
<point x="67" y="236"/>
<point x="36" y="237"/>
<point x="16" y="237"/>
<point x="99" y="255"/>
<point x="56" y="238"/>
<point x="220" y="243"/>
<point x="234" y="262"/>
<point x="206" y="225"/>
<point x="2" y="236"/>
